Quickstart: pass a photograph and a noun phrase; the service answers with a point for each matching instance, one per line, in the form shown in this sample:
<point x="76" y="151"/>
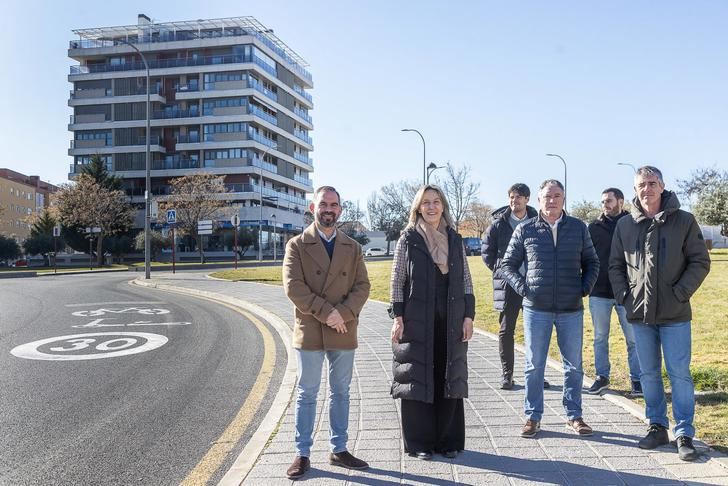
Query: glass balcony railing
<point x="302" y="92"/>
<point x="257" y="85"/>
<point x="253" y="135"/>
<point x="172" y="63"/>
<point x="167" y="114"/>
<point x="302" y="180"/>
<point x="303" y="114"/>
<point x="193" y="138"/>
<point x="270" y="193"/>
<point x="256" y="111"/>
<point x="303" y="158"/>
<point x="256" y="162"/>
<point x="303" y="136"/>
<point x="104" y="92"/>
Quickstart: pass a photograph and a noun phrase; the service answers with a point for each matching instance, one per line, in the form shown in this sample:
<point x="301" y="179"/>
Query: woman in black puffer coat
<point x="433" y="309"/>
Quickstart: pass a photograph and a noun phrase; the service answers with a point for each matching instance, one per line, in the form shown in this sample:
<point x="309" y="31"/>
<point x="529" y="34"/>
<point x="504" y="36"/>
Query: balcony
<point x="300" y="134"/>
<point x="93" y="143"/>
<point x="302" y="92"/>
<point x="84" y="94"/>
<point x="192" y="138"/>
<point x="303" y="158"/>
<point x="253" y="135"/>
<point x="256" y="111"/>
<point x="173" y="63"/>
<point x="174" y="163"/>
<point x="256" y="162"/>
<point x="89" y="118"/>
<point x="266" y="192"/>
<point x="303" y="180"/>
<point x="303" y="114"/>
<point x="257" y="85"/>
<point x="169" y="114"/>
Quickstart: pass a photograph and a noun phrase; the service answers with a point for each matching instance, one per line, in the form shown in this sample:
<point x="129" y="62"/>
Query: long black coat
<point x="413" y="366"/>
<point x="494" y="249"/>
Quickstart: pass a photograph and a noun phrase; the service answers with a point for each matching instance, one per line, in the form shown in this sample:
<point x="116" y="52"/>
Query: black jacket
<point x="601" y="231"/>
<point x="413" y="365"/>
<point x="494" y="248"/>
<point x="557" y="276"/>
<point x="657" y="264"/>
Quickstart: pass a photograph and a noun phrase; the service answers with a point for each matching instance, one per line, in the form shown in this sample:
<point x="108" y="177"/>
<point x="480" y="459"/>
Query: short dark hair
<point x="617" y="193"/>
<point x="650" y="170"/>
<point x="323" y="189"/>
<point x="521" y="189"/>
<point x="550" y="182"/>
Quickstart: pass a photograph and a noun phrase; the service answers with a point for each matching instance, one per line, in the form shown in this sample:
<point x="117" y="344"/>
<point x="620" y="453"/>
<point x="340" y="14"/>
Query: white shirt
<point x="323" y="235"/>
<point x="555" y="226"/>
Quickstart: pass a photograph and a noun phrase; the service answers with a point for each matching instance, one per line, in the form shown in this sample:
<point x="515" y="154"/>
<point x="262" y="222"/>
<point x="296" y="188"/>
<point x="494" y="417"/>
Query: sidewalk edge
<point x="247" y="458"/>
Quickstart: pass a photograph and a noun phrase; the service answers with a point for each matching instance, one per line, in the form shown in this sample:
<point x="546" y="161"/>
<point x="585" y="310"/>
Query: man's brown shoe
<point x="531" y="428"/>
<point x="580" y="427"/>
<point x="345" y="459"/>
<point x="298" y="468"/>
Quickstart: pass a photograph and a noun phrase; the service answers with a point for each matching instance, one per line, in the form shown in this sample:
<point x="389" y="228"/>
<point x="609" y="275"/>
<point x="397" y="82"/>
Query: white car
<point x="375" y="252"/>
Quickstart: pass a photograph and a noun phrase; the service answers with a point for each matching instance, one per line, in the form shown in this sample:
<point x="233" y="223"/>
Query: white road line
<point x="110" y="303"/>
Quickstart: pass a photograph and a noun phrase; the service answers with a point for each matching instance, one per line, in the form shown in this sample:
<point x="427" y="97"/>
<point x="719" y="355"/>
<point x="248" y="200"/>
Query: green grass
<point x="62" y="269"/>
<point x="709" y="325"/>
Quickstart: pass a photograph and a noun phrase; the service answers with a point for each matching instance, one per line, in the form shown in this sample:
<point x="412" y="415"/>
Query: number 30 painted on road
<point x="100" y="345"/>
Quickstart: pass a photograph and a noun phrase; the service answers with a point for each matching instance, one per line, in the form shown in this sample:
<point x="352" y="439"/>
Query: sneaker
<point x="686" y="449"/>
<point x="601" y="384"/>
<point x="531" y="428"/>
<point x="636" y="389"/>
<point x="506" y="382"/>
<point x="546" y="385"/>
<point x="298" y="468"/>
<point x="580" y="427"/>
<point x="450" y="454"/>
<point x="345" y="459"/>
<point x="656" y="436"/>
<point x="422" y="455"/>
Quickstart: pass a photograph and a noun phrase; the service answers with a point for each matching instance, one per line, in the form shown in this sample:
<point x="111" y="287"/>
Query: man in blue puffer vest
<point x="561" y="268"/>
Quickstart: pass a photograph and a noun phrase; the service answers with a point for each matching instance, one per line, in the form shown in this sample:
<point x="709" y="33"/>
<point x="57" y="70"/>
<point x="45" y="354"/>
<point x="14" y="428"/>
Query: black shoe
<point x="636" y="389"/>
<point x="506" y="382"/>
<point x="656" y="436"/>
<point x="298" y="468"/>
<point x="685" y="448"/>
<point x="424" y="455"/>
<point x="345" y="459"/>
<point x="546" y="385"/>
<point x="451" y="454"/>
<point x="601" y="384"/>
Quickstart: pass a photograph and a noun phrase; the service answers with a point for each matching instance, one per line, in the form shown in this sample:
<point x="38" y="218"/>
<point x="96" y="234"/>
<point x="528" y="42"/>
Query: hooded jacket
<point x="657" y="264"/>
<point x="601" y="231"/>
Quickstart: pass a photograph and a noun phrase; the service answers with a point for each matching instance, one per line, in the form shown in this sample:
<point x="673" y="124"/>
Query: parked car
<point x="375" y="252"/>
<point x="472" y="246"/>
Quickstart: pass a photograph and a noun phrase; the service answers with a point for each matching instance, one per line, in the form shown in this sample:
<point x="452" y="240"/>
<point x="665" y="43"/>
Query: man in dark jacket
<point x="505" y="299"/>
<point x="601" y="299"/>
<point x="658" y="261"/>
<point x="561" y="268"/>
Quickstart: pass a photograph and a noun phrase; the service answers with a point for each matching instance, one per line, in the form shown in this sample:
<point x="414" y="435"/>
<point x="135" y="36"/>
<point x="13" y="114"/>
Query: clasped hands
<point x="336" y="322"/>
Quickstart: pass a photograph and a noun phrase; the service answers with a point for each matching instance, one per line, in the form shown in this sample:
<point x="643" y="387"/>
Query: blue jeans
<point x="674" y="341"/>
<point x="537" y="326"/>
<point x="341" y="365"/>
<point x="600" y="309"/>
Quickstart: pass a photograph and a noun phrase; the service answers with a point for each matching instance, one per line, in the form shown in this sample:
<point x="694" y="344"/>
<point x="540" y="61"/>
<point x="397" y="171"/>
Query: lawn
<point x="710" y="334"/>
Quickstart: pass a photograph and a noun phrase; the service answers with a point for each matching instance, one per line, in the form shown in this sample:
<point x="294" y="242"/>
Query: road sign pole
<point x="173" y="245"/>
<point x="55" y="254"/>
<point x="235" y="248"/>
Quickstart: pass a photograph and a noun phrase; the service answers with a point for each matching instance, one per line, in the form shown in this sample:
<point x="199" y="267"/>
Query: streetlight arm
<point x="424" y="153"/>
<point x="563" y="162"/>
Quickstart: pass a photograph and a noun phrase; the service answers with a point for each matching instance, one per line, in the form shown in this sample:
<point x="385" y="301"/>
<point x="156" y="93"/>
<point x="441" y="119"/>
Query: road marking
<point x="97" y="323"/>
<point x="105" y="345"/>
<point x="111" y="303"/>
<point x="224" y="445"/>
<point x="126" y="310"/>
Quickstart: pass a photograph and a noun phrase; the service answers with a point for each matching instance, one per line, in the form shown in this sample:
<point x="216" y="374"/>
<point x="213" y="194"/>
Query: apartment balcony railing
<point x="303" y="114"/>
<point x="172" y="63"/>
<point x="302" y="92"/>
<point x="256" y="162"/>
<point x="192" y="35"/>
<point x="183" y="88"/>
<point x="254" y="110"/>
<point x="156" y="191"/>
<point x="253" y="135"/>
<point x="104" y="92"/>
<point x="240" y="187"/>
<point x="169" y="114"/>
<point x="303" y="158"/>
<point x="193" y="138"/>
<point x="303" y="180"/>
<point x="257" y="85"/>
<point x="91" y="143"/>
<point x="303" y="136"/>
<point x="90" y="118"/>
<point x="266" y="191"/>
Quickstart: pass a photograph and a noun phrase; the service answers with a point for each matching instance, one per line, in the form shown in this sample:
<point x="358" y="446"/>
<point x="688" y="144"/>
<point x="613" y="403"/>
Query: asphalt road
<point x="118" y="408"/>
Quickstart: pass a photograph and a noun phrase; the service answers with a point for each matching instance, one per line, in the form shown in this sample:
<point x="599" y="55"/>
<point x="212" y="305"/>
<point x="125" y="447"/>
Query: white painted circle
<point x="118" y="344"/>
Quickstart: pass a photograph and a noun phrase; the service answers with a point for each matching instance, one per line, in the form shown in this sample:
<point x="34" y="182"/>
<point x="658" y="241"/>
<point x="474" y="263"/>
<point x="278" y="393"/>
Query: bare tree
<point x="587" y="211"/>
<point x="389" y="208"/>
<point x="478" y="218"/>
<point x="460" y="191"/>
<point x="88" y="204"/>
<point x="351" y="222"/>
<point x="196" y="197"/>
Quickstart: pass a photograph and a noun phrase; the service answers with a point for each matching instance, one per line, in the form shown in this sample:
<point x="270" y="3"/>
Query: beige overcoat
<point x="316" y="285"/>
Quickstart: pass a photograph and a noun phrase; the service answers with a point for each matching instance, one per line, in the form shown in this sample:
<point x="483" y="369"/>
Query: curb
<point x="250" y="453"/>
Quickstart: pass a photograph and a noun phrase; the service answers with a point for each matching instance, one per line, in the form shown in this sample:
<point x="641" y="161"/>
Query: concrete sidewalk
<point x="496" y="454"/>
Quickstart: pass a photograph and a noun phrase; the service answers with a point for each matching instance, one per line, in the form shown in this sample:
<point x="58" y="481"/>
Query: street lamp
<point x="260" y="221"/>
<point x="424" y="152"/>
<point x="564" y="162"/>
<point x="275" y="236"/>
<point x="147" y="182"/>
<point x="432" y="168"/>
<point x="627" y="164"/>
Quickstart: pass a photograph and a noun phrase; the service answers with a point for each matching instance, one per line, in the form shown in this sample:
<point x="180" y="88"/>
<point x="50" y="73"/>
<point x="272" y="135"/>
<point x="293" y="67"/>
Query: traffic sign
<point x="57" y="230"/>
<point x="204" y="227"/>
<point x="171" y="216"/>
<point x="235" y="220"/>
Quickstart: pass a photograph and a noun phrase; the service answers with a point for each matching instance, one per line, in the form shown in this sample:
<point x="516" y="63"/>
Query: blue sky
<point x="494" y="85"/>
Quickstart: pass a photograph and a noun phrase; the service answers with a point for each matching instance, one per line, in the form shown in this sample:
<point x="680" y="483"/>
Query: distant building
<point x="227" y="97"/>
<point x="712" y="235"/>
<point x="21" y="196"/>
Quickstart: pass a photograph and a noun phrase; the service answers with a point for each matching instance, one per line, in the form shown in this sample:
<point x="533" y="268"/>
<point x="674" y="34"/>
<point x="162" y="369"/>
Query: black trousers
<point x="437" y="426"/>
<point x="507" y="320"/>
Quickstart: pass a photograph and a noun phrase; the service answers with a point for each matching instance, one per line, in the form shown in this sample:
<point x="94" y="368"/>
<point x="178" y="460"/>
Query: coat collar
<point x="315" y="248"/>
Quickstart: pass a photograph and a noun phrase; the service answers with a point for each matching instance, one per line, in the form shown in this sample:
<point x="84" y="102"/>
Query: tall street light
<point x="627" y="164"/>
<point x="147" y="182"/>
<point x="275" y="237"/>
<point x="260" y="221"/>
<point x="430" y="169"/>
<point x="424" y="153"/>
<point x="564" y="162"/>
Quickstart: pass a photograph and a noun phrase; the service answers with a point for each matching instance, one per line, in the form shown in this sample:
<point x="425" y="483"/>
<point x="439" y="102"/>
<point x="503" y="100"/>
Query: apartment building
<point x="227" y="97"/>
<point x="21" y="196"/>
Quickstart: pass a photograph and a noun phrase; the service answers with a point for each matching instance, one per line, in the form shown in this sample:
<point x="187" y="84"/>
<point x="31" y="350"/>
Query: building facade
<point x="227" y="97"/>
<point x="21" y="197"/>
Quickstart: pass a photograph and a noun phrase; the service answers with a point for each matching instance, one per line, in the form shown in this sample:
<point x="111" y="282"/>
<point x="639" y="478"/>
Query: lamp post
<point x="148" y="178"/>
<point x="275" y="235"/>
<point x="260" y="221"/>
<point x="424" y="152"/>
<point x="627" y="164"/>
<point x="564" y="162"/>
<point x="430" y="169"/>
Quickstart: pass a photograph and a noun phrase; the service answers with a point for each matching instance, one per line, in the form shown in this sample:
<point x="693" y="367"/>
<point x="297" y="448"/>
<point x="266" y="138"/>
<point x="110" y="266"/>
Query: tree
<point x="88" y="204"/>
<point x="40" y="241"/>
<point x="9" y="249"/>
<point x="350" y="222"/>
<point x="460" y="191"/>
<point x="157" y="243"/>
<point x="119" y="245"/>
<point x="247" y="239"/>
<point x="587" y="211"/>
<point x="707" y="189"/>
<point x="196" y="197"/>
<point x="700" y="180"/>
<point x="96" y="169"/>
<point x="479" y="217"/>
